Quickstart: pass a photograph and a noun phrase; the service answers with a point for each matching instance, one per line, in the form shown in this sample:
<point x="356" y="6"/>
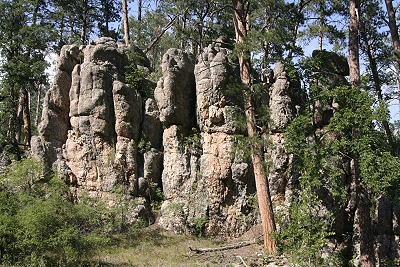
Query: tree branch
<point x="158" y="37"/>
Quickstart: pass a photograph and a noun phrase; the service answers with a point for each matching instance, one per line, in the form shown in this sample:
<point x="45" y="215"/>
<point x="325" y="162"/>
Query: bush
<point x="38" y="226"/>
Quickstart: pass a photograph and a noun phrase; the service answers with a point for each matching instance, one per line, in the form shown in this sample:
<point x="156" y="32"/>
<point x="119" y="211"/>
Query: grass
<point x="151" y="247"/>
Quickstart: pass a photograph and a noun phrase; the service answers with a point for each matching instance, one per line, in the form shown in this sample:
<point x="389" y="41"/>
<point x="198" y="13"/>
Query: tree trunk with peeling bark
<point x="241" y="20"/>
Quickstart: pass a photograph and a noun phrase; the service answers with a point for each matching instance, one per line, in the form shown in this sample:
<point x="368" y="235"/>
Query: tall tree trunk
<point x="84" y="29"/>
<point x="26" y="116"/>
<point x="140" y="7"/>
<point x="321" y="24"/>
<point x="241" y="20"/>
<point x="107" y="6"/>
<point x="39" y="96"/>
<point x="362" y="233"/>
<point x="295" y="32"/>
<point x="125" y="20"/>
<point x="354" y="62"/>
<point x="394" y="32"/>
<point x="377" y="84"/>
<point x="19" y="118"/>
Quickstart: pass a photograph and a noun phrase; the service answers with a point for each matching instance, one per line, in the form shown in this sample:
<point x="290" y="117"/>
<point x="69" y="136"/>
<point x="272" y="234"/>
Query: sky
<point x="394" y="105"/>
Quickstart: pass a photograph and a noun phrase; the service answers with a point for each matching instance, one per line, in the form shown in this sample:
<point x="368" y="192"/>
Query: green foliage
<point x="156" y="196"/>
<point x="175" y="207"/>
<point x="200" y="224"/>
<point x="143" y="146"/>
<point x="303" y="237"/>
<point x="137" y="76"/>
<point x="193" y="141"/>
<point x="38" y="226"/>
<point x="319" y="155"/>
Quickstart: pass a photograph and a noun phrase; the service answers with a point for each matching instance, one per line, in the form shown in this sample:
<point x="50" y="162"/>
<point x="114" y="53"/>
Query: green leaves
<point x="138" y="76"/>
<point x="38" y="225"/>
<point x="322" y="155"/>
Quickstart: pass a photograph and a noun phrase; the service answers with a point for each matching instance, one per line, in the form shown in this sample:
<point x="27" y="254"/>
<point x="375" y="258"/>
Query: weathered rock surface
<point x="104" y="138"/>
<point x="205" y="185"/>
<point x="55" y="124"/>
<point x="217" y="101"/>
<point x="285" y="100"/>
<point x="175" y="92"/>
<point x="97" y="123"/>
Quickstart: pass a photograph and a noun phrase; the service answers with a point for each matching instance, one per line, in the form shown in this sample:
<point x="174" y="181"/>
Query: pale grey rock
<point x="153" y="167"/>
<point x="285" y="99"/>
<point x="92" y="122"/>
<point x="216" y="73"/>
<point x="205" y="184"/>
<point x="175" y="91"/>
<point x="152" y="129"/>
<point x="54" y="124"/>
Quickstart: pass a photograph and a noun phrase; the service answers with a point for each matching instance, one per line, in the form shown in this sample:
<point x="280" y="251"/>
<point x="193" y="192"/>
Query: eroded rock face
<point x="175" y="93"/>
<point x="206" y="186"/>
<point x="54" y="126"/>
<point x="217" y="100"/>
<point x="105" y="117"/>
<point x="285" y="100"/>
<point x="98" y="124"/>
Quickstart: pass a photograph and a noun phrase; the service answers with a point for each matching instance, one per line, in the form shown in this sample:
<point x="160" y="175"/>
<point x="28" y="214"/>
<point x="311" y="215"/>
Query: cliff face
<point x="104" y="139"/>
<point x="91" y="123"/>
<point x="102" y="136"/>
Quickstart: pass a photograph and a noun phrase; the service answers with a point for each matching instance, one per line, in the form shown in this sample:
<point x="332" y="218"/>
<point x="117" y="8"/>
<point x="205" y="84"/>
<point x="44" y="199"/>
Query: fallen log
<point x="233" y="246"/>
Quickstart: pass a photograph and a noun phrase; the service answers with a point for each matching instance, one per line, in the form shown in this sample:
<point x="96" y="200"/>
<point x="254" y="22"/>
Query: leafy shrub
<point x="38" y="226"/>
<point x="138" y="76"/>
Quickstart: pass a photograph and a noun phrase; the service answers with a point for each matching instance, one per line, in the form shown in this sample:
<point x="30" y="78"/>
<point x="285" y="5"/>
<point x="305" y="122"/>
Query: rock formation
<point x="285" y="101"/>
<point x="91" y="122"/>
<point x="205" y="184"/>
<point x="104" y="138"/>
<point x="184" y="140"/>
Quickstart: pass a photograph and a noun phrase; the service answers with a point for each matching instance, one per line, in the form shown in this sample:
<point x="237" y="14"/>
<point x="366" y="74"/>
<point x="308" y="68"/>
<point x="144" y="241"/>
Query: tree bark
<point x="158" y="37"/>
<point x="321" y="24"/>
<point x="241" y="20"/>
<point x="377" y="84"/>
<point x="125" y="20"/>
<point x="362" y="222"/>
<point x="140" y="6"/>
<point x="39" y="96"/>
<point x="19" y="118"/>
<point x="354" y="49"/>
<point x="394" y="32"/>
<point x="85" y="15"/>
<point x="26" y="115"/>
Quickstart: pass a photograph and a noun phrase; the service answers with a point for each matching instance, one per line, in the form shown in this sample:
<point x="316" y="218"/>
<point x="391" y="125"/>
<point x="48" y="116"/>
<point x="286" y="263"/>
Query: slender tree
<point x="394" y="32"/>
<point x="125" y="21"/>
<point x="362" y="219"/>
<point x="24" y="39"/>
<point x="375" y="48"/>
<point x="109" y="12"/>
<point x="242" y="27"/>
